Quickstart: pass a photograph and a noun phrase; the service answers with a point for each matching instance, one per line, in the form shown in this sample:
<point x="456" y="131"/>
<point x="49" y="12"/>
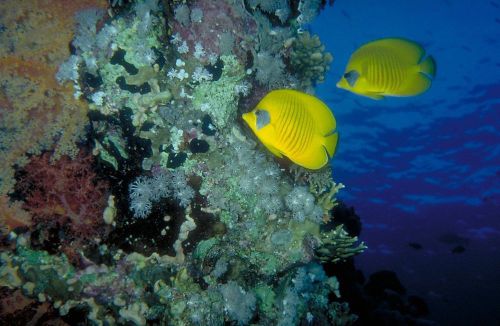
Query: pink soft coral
<point x="219" y="18"/>
<point x="65" y="193"/>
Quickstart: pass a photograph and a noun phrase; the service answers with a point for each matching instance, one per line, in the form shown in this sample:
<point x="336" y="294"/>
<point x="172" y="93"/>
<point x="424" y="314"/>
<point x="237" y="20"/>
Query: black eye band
<point x="263" y="118"/>
<point x="351" y="77"/>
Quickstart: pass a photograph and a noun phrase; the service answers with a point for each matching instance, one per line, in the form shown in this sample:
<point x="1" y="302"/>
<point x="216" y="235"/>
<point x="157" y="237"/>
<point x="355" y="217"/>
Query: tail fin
<point x="428" y="67"/>
<point x="330" y="142"/>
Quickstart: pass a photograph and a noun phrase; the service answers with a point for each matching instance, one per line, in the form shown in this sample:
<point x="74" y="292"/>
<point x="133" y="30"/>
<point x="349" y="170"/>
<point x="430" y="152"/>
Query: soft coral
<point x="65" y="193"/>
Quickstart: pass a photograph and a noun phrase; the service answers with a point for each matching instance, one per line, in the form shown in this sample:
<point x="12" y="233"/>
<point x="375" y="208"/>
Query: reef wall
<point x="131" y="191"/>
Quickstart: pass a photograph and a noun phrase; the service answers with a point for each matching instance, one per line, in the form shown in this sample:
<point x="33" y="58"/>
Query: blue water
<point x="425" y="169"/>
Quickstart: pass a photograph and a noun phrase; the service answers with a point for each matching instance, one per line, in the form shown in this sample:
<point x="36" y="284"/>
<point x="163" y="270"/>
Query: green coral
<point x="132" y="41"/>
<point x="44" y="274"/>
<point x="111" y="140"/>
<point x="219" y="98"/>
<point x="204" y="247"/>
<point x="266" y="298"/>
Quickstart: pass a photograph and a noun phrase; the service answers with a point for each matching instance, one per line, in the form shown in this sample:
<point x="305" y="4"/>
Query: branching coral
<point x="320" y="184"/>
<point x="326" y="197"/>
<point x="337" y="245"/>
<point x="308" y="59"/>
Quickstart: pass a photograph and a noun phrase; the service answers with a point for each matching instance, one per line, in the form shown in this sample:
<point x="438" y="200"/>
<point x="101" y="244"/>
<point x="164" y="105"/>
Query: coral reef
<point x="164" y="209"/>
<point x="121" y="294"/>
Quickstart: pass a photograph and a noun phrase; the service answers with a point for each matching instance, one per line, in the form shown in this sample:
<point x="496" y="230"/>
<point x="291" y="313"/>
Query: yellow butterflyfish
<point x="389" y="67"/>
<point x="296" y="125"/>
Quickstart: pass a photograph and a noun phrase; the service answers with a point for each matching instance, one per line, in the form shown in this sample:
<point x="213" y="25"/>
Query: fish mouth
<point x="247" y="117"/>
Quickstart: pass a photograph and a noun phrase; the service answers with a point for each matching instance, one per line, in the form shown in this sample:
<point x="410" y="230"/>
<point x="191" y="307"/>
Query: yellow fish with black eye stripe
<point x="296" y="125"/>
<point x="388" y="67"/>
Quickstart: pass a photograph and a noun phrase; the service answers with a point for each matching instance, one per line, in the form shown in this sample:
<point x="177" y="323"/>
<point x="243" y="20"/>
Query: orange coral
<point x="36" y="112"/>
<point x="40" y="29"/>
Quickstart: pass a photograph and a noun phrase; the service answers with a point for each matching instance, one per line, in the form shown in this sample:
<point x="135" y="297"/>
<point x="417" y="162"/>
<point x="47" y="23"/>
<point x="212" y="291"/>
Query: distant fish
<point x="388" y="67"/>
<point x="414" y="245"/>
<point x="458" y="250"/>
<point x="296" y="125"/>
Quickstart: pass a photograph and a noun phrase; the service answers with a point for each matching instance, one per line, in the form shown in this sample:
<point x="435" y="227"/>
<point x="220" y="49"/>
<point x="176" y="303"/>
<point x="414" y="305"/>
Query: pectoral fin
<point x="273" y="150"/>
